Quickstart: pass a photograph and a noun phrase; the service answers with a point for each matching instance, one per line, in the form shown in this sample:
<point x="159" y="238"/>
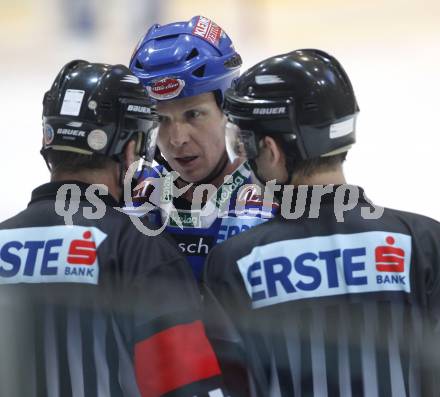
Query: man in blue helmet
<point x="186" y="67"/>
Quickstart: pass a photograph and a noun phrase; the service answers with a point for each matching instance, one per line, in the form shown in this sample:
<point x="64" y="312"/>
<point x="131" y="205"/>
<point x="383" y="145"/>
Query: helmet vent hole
<point x="310" y="106"/>
<point x="234" y="61"/>
<point x="138" y="64"/>
<point x="170" y="37"/>
<point x="192" y="54"/>
<point x="199" y="72"/>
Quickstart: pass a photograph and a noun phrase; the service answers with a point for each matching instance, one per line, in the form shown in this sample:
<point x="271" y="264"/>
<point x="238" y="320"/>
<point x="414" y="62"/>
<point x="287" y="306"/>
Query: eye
<point x="163" y="119"/>
<point x="193" y="114"/>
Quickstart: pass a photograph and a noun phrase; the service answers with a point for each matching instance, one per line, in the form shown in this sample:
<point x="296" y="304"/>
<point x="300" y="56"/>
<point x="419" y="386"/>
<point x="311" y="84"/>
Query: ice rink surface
<point x="390" y="50"/>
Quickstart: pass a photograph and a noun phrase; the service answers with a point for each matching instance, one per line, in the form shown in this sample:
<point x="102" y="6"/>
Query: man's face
<point x="192" y="135"/>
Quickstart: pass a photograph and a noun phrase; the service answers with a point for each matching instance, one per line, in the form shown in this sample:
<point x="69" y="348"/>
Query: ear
<point x="274" y="153"/>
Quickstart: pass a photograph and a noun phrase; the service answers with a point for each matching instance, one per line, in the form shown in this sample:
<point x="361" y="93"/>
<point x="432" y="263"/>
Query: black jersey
<point x="96" y="308"/>
<point x="328" y="308"/>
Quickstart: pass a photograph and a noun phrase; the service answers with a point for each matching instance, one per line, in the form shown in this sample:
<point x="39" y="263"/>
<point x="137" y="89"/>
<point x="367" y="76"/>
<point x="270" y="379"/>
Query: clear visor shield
<point x="240" y="143"/>
<point x="149" y="146"/>
<point x="148" y="130"/>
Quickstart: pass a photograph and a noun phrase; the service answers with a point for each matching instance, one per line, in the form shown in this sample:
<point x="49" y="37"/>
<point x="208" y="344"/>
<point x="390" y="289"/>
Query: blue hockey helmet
<point x="185" y="59"/>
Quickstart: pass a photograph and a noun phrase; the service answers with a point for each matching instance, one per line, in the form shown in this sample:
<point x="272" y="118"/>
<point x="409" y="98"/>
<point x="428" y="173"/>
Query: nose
<point x="178" y="134"/>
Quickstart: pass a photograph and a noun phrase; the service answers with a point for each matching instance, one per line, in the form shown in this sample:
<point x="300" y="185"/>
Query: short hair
<point x="69" y="162"/>
<point x="309" y="167"/>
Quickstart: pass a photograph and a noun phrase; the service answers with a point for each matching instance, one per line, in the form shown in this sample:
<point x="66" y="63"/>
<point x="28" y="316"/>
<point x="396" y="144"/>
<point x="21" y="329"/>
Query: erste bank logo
<point x="389" y="258"/>
<point x="52" y="254"/>
<point x="82" y="252"/>
<point x="337" y="264"/>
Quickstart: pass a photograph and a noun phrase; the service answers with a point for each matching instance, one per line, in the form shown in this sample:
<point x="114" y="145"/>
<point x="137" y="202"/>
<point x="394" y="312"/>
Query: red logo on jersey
<point x="248" y="195"/>
<point x="82" y="252"/>
<point x="166" y="88"/>
<point x="388" y="258"/>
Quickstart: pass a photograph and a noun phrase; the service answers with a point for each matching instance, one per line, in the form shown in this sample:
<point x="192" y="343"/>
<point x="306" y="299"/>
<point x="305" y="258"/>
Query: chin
<point x="191" y="178"/>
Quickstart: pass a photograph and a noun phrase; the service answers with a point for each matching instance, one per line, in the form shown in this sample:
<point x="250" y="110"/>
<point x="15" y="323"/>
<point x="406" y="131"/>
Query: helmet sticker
<point x="72" y="102"/>
<point x="92" y="105"/>
<point x="75" y="124"/>
<point x="130" y="79"/>
<point x="342" y="128"/>
<point x="165" y="88"/>
<point x="268" y="79"/>
<point x="97" y="139"/>
<point x="208" y="30"/>
<point x="48" y="134"/>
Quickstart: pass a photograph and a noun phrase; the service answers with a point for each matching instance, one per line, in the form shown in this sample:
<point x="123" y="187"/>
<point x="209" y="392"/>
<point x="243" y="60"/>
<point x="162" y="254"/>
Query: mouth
<point x="185" y="160"/>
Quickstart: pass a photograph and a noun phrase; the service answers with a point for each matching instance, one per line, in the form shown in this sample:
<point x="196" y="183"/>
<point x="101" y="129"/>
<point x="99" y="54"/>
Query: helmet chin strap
<point x="123" y="168"/>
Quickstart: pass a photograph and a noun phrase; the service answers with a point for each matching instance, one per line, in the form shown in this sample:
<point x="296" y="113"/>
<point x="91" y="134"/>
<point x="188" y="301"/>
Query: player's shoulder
<point x="413" y="221"/>
<point x="152" y="172"/>
<point x="141" y="230"/>
<point x="151" y="176"/>
<point x="16" y="221"/>
<point x="241" y="244"/>
<point x="148" y="189"/>
<point x="141" y="242"/>
<point x="423" y="231"/>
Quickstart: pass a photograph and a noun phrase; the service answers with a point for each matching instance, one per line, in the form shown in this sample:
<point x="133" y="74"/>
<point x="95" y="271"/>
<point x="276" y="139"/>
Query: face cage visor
<point x="242" y="144"/>
<point x="257" y="119"/>
<point x="147" y="131"/>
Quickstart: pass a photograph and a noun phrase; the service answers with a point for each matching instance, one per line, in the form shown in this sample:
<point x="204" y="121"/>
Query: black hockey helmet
<point x="304" y="97"/>
<point x="98" y="108"/>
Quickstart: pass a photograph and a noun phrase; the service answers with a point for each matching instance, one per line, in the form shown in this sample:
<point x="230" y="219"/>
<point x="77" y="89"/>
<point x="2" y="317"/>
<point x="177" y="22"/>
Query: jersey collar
<point x="48" y="191"/>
